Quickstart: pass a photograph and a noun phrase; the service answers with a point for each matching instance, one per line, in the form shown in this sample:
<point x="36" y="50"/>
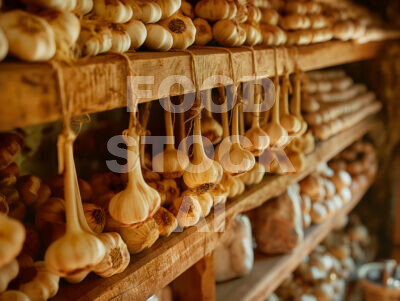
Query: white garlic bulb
<point x="83" y="7"/>
<point x="137" y="32"/>
<point x="121" y="41"/>
<point x="94" y="38"/>
<point x="115" y="11"/>
<point x="66" y="5"/>
<point x="158" y="38"/>
<point x="145" y="11"/>
<point x="30" y="37"/>
<point x="225" y="32"/>
<point x="168" y="7"/>
<point x="182" y="30"/>
<point x="3" y="45"/>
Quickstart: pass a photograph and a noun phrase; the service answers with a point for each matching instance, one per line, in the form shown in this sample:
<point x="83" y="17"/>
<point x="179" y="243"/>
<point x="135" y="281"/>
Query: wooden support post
<point x="396" y="205"/>
<point x="197" y="283"/>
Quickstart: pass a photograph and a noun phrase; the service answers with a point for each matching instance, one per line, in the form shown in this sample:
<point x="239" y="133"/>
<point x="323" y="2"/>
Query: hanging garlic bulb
<point x="121" y="40"/>
<point x="202" y="174"/>
<point x="290" y="122"/>
<point x="171" y="163"/>
<point x="66" y="27"/>
<point x="12" y="236"/>
<point x="277" y="134"/>
<point x="115" y="11"/>
<point x="30" y="37"/>
<point x="296" y="104"/>
<point x="187" y="210"/>
<point x="137" y="32"/>
<point x="226" y="144"/>
<point x="79" y="250"/>
<point x="257" y="140"/>
<point x="213" y="10"/>
<point x="166" y="221"/>
<point x="83" y="7"/>
<point x="204" y="199"/>
<point x="145" y="11"/>
<point x="65" y="5"/>
<point x="182" y="30"/>
<point x="158" y="38"/>
<point x="168" y="7"/>
<point x="219" y="194"/>
<point x="203" y="32"/>
<point x="4" y="45"/>
<point x="210" y="128"/>
<point x="254" y="176"/>
<point x="95" y="38"/>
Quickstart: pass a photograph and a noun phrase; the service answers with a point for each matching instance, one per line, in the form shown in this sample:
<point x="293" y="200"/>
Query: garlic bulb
<point x="66" y="27"/>
<point x="13" y="295"/>
<point x="234" y="185"/>
<point x="4" y="45"/>
<point x="39" y="283"/>
<point x="79" y="249"/>
<point x="140" y="236"/>
<point x="137" y="32"/>
<point x="213" y="10"/>
<point x="253" y="14"/>
<point x="117" y="256"/>
<point x="290" y="122"/>
<point x="202" y="174"/>
<point x="115" y="11"/>
<point x="205" y="201"/>
<point x="187" y="210"/>
<point x="145" y="11"/>
<point x="29" y="186"/>
<point x="203" y="32"/>
<point x="253" y="34"/>
<point x="121" y="40"/>
<point x="168" y="7"/>
<point x="12" y="236"/>
<point x="226" y="143"/>
<point x="210" y="128"/>
<point x="10" y="146"/>
<point x="62" y="5"/>
<point x="166" y="221"/>
<point x="7" y="273"/>
<point x="219" y="194"/>
<point x="8" y="175"/>
<point x="182" y="30"/>
<point x="158" y="38"/>
<point x="95" y="217"/>
<point x="187" y="9"/>
<point x="257" y="140"/>
<point x="168" y="187"/>
<point x="241" y="13"/>
<point x="254" y="176"/>
<point x="241" y="36"/>
<point x="4" y="208"/>
<point x="238" y="160"/>
<point x="226" y="33"/>
<point x="83" y="7"/>
<point x="30" y="37"/>
<point x="296" y="104"/>
<point x="171" y="163"/>
<point x="94" y="38"/>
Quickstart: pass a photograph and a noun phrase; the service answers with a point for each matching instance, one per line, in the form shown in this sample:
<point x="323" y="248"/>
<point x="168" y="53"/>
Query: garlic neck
<point x="255" y="122"/>
<point x="285" y="95"/>
<point x="207" y="112"/>
<point x="297" y="96"/>
<point x="275" y="108"/>
<point x="198" y="149"/>
<point x="168" y="125"/>
<point x="224" y="115"/>
<point x="235" y="125"/>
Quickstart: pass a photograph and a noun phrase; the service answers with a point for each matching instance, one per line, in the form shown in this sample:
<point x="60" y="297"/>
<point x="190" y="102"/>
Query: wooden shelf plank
<point x="169" y="257"/>
<point x="29" y="93"/>
<point x="270" y="271"/>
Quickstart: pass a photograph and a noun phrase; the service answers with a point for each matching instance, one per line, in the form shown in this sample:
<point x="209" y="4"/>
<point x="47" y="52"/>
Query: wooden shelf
<point x="270" y="271"/>
<point x="169" y="257"/>
<point x="29" y="93"/>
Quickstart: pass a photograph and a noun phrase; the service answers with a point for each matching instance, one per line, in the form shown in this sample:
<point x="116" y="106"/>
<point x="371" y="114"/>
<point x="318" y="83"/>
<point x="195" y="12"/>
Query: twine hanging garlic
<point x="202" y="174"/>
<point x="120" y="39"/>
<point x="137" y="32"/>
<point x="168" y="7"/>
<point x="83" y="7"/>
<point x="203" y="32"/>
<point x="289" y="122"/>
<point x="171" y="163"/>
<point x="79" y="250"/>
<point x="145" y="11"/>
<point x="138" y="201"/>
<point x="115" y="11"/>
<point x="4" y="45"/>
<point x="182" y="30"/>
<point x="117" y="256"/>
<point x="12" y="236"/>
<point x="210" y="128"/>
<point x="257" y="140"/>
<point x="30" y="37"/>
<point x="158" y="38"/>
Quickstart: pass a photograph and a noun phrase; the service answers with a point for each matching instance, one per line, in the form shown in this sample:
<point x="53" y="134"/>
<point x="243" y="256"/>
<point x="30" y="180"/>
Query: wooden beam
<point x="169" y="257"/>
<point x="197" y="283"/>
<point x="29" y="93"/>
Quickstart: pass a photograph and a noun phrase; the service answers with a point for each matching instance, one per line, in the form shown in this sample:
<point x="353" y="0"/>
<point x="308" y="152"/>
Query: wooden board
<point x="270" y="271"/>
<point x="29" y="93"/>
<point x="169" y="257"/>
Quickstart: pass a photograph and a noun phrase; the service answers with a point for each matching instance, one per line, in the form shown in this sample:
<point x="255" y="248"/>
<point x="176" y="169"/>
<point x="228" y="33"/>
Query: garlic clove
<point x="3" y="45"/>
<point x="145" y="11"/>
<point x="182" y="30"/>
<point x="121" y="40"/>
<point x="95" y="217"/>
<point x="137" y="33"/>
<point x="13" y="295"/>
<point x="30" y="37"/>
<point x="77" y="277"/>
<point x="117" y="256"/>
<point x="166" y="221"/>
<point x="254" y="176"/>
<point x="12" y="236"/>
<point x="115" y="11"/>
<point x="83" y="7"/>
<point x="158" y="38"/>
<point x="203" y="32"/>
<point x="168" y="7"/>
<point x="140" y="236"/>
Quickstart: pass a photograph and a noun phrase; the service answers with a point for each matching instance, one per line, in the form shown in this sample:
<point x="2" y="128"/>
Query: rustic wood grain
<point x="169" y="257"/>
<point x="29" y="94"/>
<point x="270" y="271"/>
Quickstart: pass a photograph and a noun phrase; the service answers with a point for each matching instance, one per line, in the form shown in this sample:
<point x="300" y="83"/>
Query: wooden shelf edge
<point x="29" y="93"/>
<point x="169" y="257"/>
<point x="269" y="273"/>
